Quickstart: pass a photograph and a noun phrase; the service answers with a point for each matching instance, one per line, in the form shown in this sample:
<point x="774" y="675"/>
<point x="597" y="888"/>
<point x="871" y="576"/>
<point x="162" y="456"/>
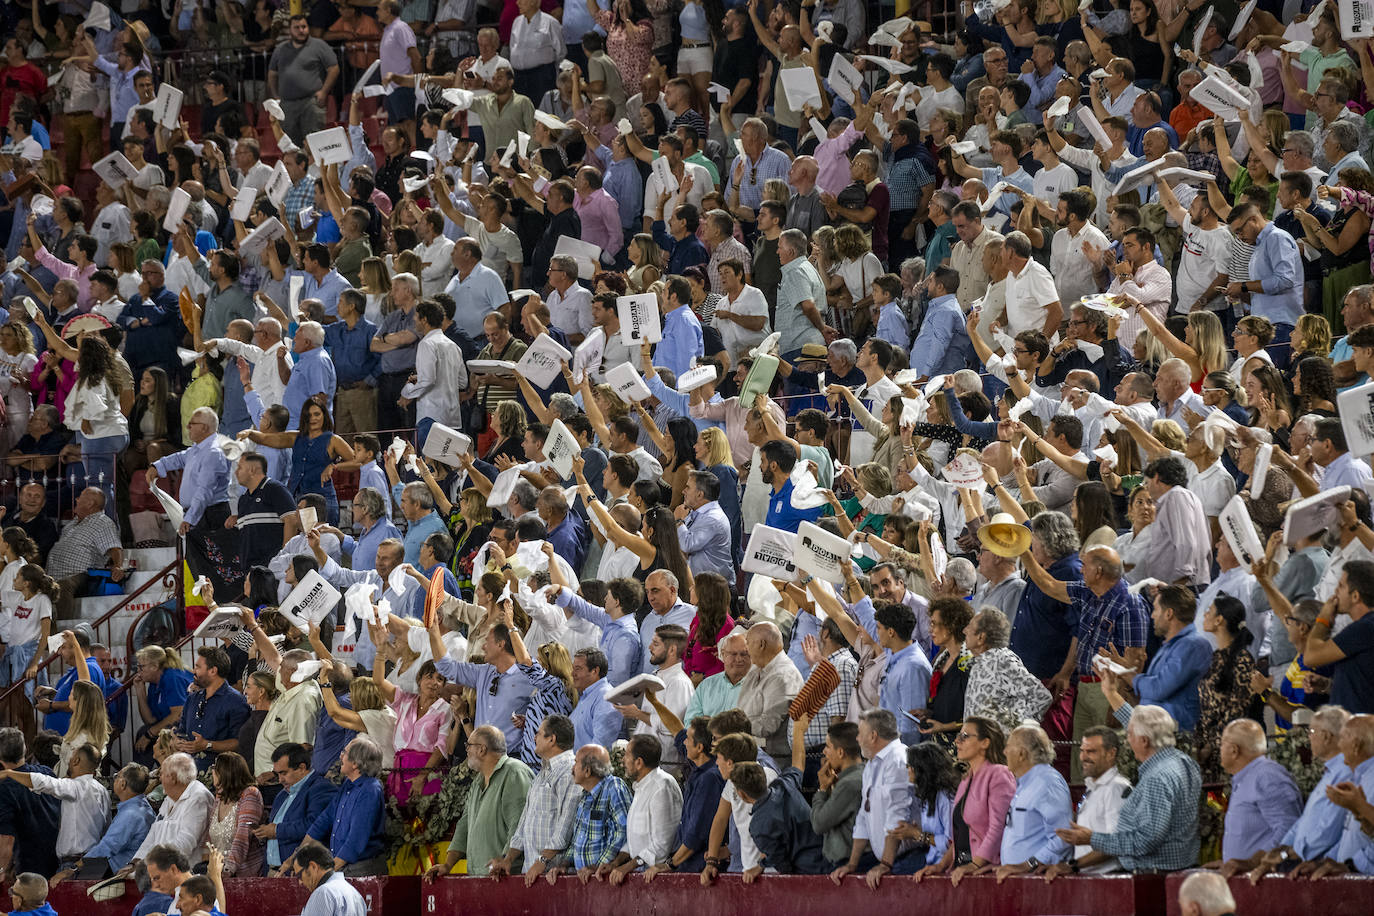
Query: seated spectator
<point x="30" y="892"/>
<point x="495" y="802"/>
<point x="167" y="867"/>
<point x="1157" y="827"/>
<point x="34" y="456"/>
<point x="304" y="796"/>
<point x="982" y="803"/>
<point x="353" y="827"/>
<point x="595" y="721"/>
<point x="1172" y="676"/>
<point x="330" y="893"/>
<point x="133" y="817"/>
<point x="1040" y="806"/>
<point x="238" y="812"/>
<point x="161" y="690"/>
<point x="213" y="718"/>
<point x="184" y="818"/>
<point x="1105" y="791"/>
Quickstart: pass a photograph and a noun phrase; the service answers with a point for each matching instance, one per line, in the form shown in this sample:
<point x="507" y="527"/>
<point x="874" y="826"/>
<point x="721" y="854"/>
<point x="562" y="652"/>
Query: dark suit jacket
<point x="312" y="798"/>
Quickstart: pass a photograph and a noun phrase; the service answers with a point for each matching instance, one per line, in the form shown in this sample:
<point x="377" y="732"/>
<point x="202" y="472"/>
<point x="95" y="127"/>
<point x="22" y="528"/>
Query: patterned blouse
<point x="550" y="697"/>
<point x="1219" y="707"/>
<point x="1001" y="689"/>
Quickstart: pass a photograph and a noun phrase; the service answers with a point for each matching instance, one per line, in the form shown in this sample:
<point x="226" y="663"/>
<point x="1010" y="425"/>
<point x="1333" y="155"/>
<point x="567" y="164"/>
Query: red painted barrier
<point x="255" y="896"/>
<point x="1278" y="896"/>
<point x="795" y="896"/>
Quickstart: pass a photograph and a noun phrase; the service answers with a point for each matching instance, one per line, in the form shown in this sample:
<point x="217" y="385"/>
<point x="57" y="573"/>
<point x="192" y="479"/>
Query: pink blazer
<point x="989" y="798"/>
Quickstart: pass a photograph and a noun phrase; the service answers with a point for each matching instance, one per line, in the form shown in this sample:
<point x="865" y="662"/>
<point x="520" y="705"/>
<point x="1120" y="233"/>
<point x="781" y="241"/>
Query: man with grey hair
<point x="805" y="212"/>
<point x="940" y="246"/>
<point x="1157" y="828"/>
<point x="569" y="302"/>
<point x="801" y="296"/>
<point x="1265" y="800"/>
<point x="495" y="801"/>
<point x="205" y="474"/>
<point x="599" y="825"/>
<point x="417" y="505"/>
<point x="1205" y="894"/>
<point x="312" y="377"/>
<point x="1313" y="838"/>
<point x="546" y="825"/>
<point x="719" y="236"/>
<point x="524" y="499"/>
<point x="665" y="608"/>
<point x="999" y="686"/>
<point x="1045" y="636"/>
<point x="184" y="818"/>
<point x="886" y="791"/>
<point x="1108" y="615"/>
<point x="767" y="691"/>
<point x="294" y="714"/>
<point x="1041" y="805"/>
<point x="353" y="827"/>
<point x="1340" y="150"/>
<point x="266" y="352"/>
<point x="565" y="530"/>
<point x="396" y="341"/>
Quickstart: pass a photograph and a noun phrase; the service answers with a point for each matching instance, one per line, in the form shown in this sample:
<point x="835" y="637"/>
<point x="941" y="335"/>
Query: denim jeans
<point x="98" y="456"/>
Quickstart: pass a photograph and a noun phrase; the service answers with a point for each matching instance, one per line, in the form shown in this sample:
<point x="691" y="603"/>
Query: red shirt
<point x="25" y="79"/>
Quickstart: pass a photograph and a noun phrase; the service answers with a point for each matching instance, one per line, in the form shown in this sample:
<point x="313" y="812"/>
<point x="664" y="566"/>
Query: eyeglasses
<point x="965" y="736"/>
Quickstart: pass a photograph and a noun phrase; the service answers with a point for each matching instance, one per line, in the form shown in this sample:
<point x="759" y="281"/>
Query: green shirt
<point x="714" y="694"/>
<point x="698" y="158"/>
<point x="1318" y="65"/>
<point x="491" y="814"/>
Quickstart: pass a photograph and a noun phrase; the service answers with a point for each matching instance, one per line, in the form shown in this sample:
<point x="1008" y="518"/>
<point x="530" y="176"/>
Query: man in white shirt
<point x="1032" y="300"/>
<point x="184" y="817"/>
<point x="536" y="45"/>
<point x="113" y="223"/>
<point x="21" y="142"/>
<point x="874" y="394"/>
<point x="1329" y="449"/>
<point x="85" y="802"/>
<point x="440" y="373"/>
<point x="1105" y="791"/>
<point x="1075" y="275"/>
<point x="1105" y="166"/>
<point x="1202" y="260"/>
<point x="435" y="251"/>
<point x="655" y="814"/>
<point x="1175" y="395"/>
<point x="665" y="654"/>
<point x="768" y="689"/>
<point x="1055" y="176"/>
<point x="886" y="794"/>
<point x="569" y="302"/>
<point x="262" y="353"/>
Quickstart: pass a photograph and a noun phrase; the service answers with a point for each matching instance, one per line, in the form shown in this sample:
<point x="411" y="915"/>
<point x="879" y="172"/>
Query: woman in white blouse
<point x="17" y="360"/>
<point x="93" y="409"/>
<point x="1135" y="544"/>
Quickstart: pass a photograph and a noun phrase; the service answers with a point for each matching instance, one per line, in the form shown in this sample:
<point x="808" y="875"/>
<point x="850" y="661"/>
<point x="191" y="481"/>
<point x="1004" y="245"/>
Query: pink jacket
<point x="989" y="798"/>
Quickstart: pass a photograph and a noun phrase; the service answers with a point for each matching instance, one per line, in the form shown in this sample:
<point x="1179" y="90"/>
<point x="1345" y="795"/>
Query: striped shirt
<point x="550" y="807"/>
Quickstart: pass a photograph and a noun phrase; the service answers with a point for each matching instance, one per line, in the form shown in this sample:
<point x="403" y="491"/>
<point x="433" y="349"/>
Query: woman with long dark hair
<point x="154" y="421"/>
<point x="934" y="779"/>
<point x="1224" y="691"/>
<point x="679" y="447"/>
<point x="1314" y="385"/>
<point x="314" y="450"/>
<point x="238" y="811"/>
<point x="93" y="409"/>
<point x="712" y="624"/>
<point x="981" y="802"/>
<point x="1094" y="515"/>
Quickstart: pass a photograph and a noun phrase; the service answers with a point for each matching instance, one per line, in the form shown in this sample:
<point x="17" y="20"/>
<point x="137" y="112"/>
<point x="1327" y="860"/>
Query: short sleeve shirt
<point x="1352" y="683"/>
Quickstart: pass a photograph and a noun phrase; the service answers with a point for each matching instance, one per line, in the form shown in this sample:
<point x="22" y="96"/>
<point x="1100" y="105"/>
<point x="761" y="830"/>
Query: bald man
<point x="804" y="208"/>
<point x="1265" y="801"/>
<point x="1205" y="894"/>
<point x="1108" y="615"/>
<point x="768" y="689"/>
<point x="599" y="825"/>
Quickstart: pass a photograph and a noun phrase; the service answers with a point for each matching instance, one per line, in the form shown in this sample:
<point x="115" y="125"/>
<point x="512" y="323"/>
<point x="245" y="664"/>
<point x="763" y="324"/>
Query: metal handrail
<point x="169" y="577"/>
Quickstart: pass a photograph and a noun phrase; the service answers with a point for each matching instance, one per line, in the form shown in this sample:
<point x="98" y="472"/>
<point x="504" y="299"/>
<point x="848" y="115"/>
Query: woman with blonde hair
<point x="551" y="677"/>
<point x="508" y="423"/>
<point x="1311" y="337"/>
<point x="858" y="267"/>
<point x="90" y="723"/>
<point x="646" y="262"/>
<point x="1169" y="434"/>
<point x="367" y="713"/>
<point x="713" y="455"/>
<point x="469" y="524"/>
<point x="260" y="690"/>
<point x="610" y="403"/>
<point x="160" y="689"/>
<point x="376" y="286"/>
<point x="17" y="359"/>
<point x="1203" y="346"/>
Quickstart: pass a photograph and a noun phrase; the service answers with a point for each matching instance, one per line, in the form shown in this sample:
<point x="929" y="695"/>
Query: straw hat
<point x="1004" y="537"/>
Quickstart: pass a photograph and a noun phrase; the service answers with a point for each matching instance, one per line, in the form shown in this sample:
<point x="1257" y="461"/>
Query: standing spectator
<point x="396" y="343"/>
<point x="536" y="47"/>
<point x="1351" y="650"/>
<point x="654" y="814"/>
<point x="1275" y="287"/>
<point x="982" y="802"/>
<point x="1172" y="678"/>
<point x="353" y="827"/>
<point x="495" y="802"/>
<point x="29" y="823"/>
<point x="301" y="73"/>
<point x="886" y="795"/>
<point x="214" y="718"/>
<point x="399" y="57"/>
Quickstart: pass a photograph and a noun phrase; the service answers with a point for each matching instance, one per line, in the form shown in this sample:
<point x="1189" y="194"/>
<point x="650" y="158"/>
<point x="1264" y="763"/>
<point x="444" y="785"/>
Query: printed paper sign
<point x="695" y="378"/>
<point x="822" y="554"/>
<point x="587" y="357"/>
<point x="639" y="319"/>
<point x="627" y="382"/>
<point x="1240" y="533"/>
<point x="964" y="471"/>
<point x="800" y="85"/>
<point x="223" y="623"/>
<point x="1220" y="97"/>
<point x="445" y="445"/>
<point x="560" y="448"/>
<point x="310" y="601"/>
<point x="329" y="146"/>
<point x="664" y="171"/>
<point x="1356" y="407"/>
<point x="176" y="209"/>
<point x="844" y="78"/>
<point x="167" y="106"/>
<point x="255" y="242"/>
<point x="114" y="170"/>
<point x="543" y="361"/>
<point x="771" y="552"/>
<point x="243" y="203"/>
<point x="278" y="184"/>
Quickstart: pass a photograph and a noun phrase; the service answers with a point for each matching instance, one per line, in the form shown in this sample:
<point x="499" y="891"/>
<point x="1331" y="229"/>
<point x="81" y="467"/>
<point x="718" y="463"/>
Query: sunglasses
<point x="495" y="685"/>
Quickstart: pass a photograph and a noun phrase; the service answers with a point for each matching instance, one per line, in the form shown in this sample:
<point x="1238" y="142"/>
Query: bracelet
<point x="1324" y="622"/>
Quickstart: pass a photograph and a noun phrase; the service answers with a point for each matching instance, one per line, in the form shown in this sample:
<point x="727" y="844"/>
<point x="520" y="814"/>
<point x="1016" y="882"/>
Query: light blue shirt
<point x="204" y="479"/>
<point x="372" y="475"/>
<point x="1355" y="844"/>
<point x="1315" y="834"/>
<point x="416" y="532"/>
<point x="1040" y="806"/>
<point x="805" y="625"/>
<point x="273" y="848"/>
<point x="123" y="96"/>
<point x="799" y="283"/>
<point x="1042" y="91"/>
<point x="362" y="550"/>
<point x="892" y="325"/>
<point x="619" y="638"/>
<point x="1277" y="265"/>
<point x="133" y="818"/>
<point x="475" y="296"/>
<point x="623" y="182"/>
<point x="312" y="374"/>
<point x="1265" y="802"/>
<point x="906" y="682"/>
<point x="326" y="290"/>
<point x="680" y="614"/>
<point x="704" y="536"/>
<point x="335" y="897"/>
<point x="577" y="21"/>
<point x="943" y="345"/>
<point x="594" y="720"/>
<point x="772" y="163"/>
<point x="1019" y="178"/>
<point x="682" y="341"/>
<point x="939" y="824"/>
<point x="501" y="695"/>
<point x="1171" y="679"/>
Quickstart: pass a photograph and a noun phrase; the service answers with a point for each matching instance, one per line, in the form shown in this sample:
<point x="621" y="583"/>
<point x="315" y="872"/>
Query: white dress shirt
<point x="654" y="815"/>
<point x="85" y="811"/>
<point x="676" y="694"/>
<point x="535" y="42"/>
<point x="182" y="823"/>
<point x="886" y="796"/>
<point x="571" y="312"/>
<point x="1074" y="275"/>
<point x="266" y="378"/>
<point x="1098" y="810"/>
<point x="1214" y="487"/>
<point x="436" y="269"/>
<point x="440" y="377"/>
<point x="1029" y="294"/>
